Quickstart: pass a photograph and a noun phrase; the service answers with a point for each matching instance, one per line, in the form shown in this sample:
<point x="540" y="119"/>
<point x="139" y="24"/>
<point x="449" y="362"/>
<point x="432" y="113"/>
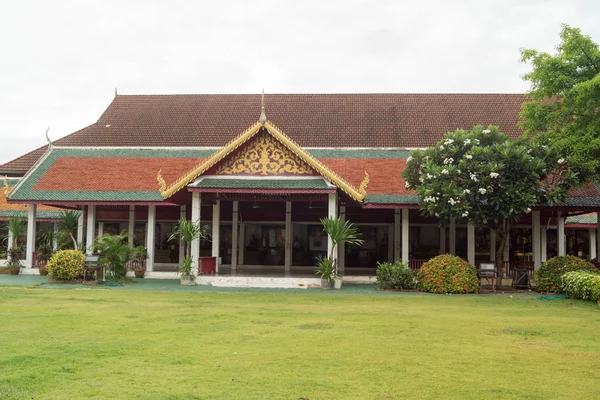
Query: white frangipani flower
<point x="473" y="177"/>
<point x="486" y="131"/>
<point x="465" y="214"/>
<point x="468" y="156"/>
<point x="467" y="141"/>
<point x="482" y="191"/>
<point x="452" y="201"/>
<point x="561" y="161"/>
<point x="445" y="171"/>
<point x="466" y="191"/>
<point x="407" y="185"/>
<point x="494" y="175"/>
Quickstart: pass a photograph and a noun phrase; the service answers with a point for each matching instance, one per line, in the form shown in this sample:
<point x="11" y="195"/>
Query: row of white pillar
<point x="400" y="230"/>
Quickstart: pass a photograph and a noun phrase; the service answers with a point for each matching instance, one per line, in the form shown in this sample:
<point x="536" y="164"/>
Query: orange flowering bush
<point x="66" y="264"/>
<point x="448" y="274"/>
<point x="548" y="277"/>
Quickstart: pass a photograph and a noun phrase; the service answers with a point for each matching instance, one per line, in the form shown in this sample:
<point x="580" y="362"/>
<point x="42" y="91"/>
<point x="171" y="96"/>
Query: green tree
<point x="565" y="99"/>
<point x="483" y="177"/>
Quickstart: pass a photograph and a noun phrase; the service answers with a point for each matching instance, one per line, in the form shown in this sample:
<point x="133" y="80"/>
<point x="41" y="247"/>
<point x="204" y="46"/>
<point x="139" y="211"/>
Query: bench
<point x="91" y="264"/>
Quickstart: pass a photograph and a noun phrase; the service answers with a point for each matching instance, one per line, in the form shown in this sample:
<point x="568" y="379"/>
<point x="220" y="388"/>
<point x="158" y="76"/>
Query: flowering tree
<point x="483" y="177"/>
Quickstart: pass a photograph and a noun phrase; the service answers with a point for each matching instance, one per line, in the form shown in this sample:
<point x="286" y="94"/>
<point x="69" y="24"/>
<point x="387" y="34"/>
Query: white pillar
<point x="561" y="235"/>
<point x="54" y="236"/>
<point x="91" y="227"/>
<point x="405" y="255"/>
<point x="195" y="245"/>
<point x="397" y="239"/>
<point x="544" y="244"/>
<point x="182" y="215"/>
<point x="442" y="240"/>
<point x="471" y="243"/>
<point x="492" y="245"/>
<point x="342" y="246"/>
<point x="100" y="229"/>
<point x="332" y="213"/>
<point x="80" y="228"/>
<point x="9" y="243"/>
<point x="216" y="240"/>
<point x="234" y="237"/>
<point x="536" y="246"/>
<point x="452" y="236"/>
<point x="592" y="244"/>
<point x="131" y="225"/>
<point x="31" y="225"/>
<point x="150" y="237"/>
<point x="241" y="243"/>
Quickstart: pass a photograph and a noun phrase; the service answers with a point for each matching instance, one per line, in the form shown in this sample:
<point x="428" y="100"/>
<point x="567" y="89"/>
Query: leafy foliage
<point x="114" y="252"/>
<point x="17" y="227"/>
<point x="448" y="274"/>
<point x="325" y="268"/>
<point x="548" y="277"/>
<point x="396" y="275"/>
<point x="66" y="264"/>
<point x="186" y="267"/>
<point x="187" y="231"/>
<point x="67" y="225"/>
<point x="565" y="98"/>
<point x="338" y="231"/>
<point x="581" y="285"/>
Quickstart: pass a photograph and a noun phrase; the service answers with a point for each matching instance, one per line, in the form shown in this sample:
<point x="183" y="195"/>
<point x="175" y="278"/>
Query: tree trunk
<point x="502" y="236"/>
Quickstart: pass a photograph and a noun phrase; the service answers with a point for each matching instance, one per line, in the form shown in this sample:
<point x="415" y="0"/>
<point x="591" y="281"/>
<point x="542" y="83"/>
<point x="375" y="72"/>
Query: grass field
<point x="71" y="344"/>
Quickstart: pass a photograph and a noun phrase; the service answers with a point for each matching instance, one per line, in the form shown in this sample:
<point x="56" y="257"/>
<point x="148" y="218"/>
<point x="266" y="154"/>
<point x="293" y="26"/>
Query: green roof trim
<point x="42" y="214"/>
<point x="358" y="153"/>
<point x="582" y="219"/>
<point x="581" y="202"/>
<point x="299" y="184"/>
<point x="391" y="199"/>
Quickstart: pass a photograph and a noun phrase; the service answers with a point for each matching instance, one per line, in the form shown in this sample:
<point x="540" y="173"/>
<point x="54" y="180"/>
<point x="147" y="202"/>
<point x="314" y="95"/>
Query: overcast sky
<point x="61" y="60"/>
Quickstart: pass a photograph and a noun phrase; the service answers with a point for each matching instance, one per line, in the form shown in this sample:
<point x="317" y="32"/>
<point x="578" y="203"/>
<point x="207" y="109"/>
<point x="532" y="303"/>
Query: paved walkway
<point x="173" y="285"/>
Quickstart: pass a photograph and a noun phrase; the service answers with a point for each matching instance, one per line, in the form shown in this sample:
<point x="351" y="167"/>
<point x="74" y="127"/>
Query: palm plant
<point x="187" y="231"/>
<point x="68" y="223"/>
<point x="339" y="231"/>
<point x="114" y="252"/>
<point x="17" y="228"/>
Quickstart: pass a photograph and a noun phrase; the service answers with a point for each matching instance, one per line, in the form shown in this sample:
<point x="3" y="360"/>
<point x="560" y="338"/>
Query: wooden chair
<point x="91" y="264"/>
<point x="487" y="271"/>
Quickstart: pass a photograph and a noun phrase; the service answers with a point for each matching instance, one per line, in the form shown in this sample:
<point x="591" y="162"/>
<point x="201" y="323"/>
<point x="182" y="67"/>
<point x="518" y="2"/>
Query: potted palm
<point x="17" y="228"/>
<point x="67" y="225"/>
<point x="187" y="231"/>
<point x="338" y="231"/>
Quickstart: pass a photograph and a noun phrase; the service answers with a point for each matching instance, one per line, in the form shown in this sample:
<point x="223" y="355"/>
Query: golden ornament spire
<point x="263" y="115"/>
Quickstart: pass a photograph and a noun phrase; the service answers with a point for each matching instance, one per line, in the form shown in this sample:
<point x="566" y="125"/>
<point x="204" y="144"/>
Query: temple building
<point x="261" y="172"/>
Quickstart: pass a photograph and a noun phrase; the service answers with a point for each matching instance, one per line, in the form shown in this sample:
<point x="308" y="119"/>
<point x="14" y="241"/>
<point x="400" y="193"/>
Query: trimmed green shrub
<point x="448" y="274"/>
<point x="395" y="275"/>
<point x="66" y="264"/>
<point x="581" y="285"/>
<point x="547" y="277"/>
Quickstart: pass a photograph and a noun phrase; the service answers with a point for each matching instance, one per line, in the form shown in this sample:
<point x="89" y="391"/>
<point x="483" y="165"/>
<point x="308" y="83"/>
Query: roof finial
<point x="263" y="116"/>
<point x="48" y="138"/>
<point x="116" y="94"/>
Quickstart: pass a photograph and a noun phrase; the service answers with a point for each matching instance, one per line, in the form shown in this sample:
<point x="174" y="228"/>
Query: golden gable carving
<point x="266" y="156"/>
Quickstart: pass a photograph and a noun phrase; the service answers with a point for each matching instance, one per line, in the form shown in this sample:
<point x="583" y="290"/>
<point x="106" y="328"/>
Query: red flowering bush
<point x="66" y="264"/>
<point x="448" y="274"/>
<point x="547" y="277"/>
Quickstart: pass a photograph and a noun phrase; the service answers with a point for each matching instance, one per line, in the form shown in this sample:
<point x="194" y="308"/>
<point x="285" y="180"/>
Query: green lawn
<point x="70" y="344"/>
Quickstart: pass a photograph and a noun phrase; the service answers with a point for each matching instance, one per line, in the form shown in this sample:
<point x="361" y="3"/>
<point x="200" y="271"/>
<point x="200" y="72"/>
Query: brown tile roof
<point x="312" y="120"/>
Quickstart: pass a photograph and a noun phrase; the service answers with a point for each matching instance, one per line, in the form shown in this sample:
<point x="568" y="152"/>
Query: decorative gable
<point x="265" y="156"/>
